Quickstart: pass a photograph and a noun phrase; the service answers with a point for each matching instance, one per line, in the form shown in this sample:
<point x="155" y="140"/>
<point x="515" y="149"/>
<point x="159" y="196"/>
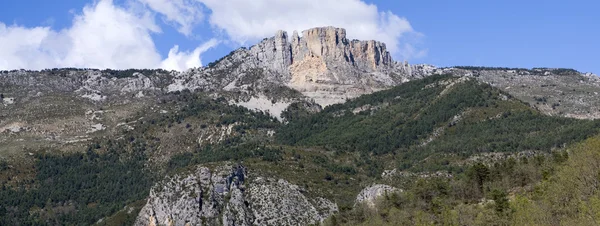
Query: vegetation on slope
<point x="417" y="120"/>
<point x="83" y="187"/>
<point x="559" y="189"/>
<point x="435" y="124"/>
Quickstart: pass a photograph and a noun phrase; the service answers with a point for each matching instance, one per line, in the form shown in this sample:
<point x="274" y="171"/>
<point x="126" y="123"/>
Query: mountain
<point x="430" y="128"/>
<point x="304" y="129"/>
<point x="323" y="64"/>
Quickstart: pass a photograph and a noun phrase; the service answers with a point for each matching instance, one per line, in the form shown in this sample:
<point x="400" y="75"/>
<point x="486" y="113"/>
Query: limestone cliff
<point x="322" y="63"/>
<point x="227" y="195"/>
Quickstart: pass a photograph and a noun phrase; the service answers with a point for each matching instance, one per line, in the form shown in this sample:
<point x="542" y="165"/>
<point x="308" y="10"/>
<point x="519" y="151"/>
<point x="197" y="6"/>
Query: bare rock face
<point x="197" y="198"/>
<point x="327" y="67"/>
<point x="321" y="63"/>
<point x="277" y="202"/>
<point x="321" y="55"/>
<point x="324" y="56"/>
<point x="225" y="195"/>
<point x="331" y="45"/>
<point x="370" y="194"/>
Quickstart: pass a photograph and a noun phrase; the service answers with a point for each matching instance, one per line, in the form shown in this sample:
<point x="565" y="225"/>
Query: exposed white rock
<point x="140" y="94"/>
<point x="263" y="103"/>
<point x="138" y="82"/>
<point x="224" y="195"/>
<point x="94" y="97"/>
<point x="95" y="128"/>
<point x="323" y="64"/>
<point x="370" y="194"/>
<point x="94" y="115"/>
<point x="281" y="203"/>
<point x="8" y="100"/>
<point x="13" y="128"/>
<point x="177" y="85"/>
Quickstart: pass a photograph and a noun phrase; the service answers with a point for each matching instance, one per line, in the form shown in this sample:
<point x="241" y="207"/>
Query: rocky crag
<point x="229" y="195"/>
<point x="323" y="64"/>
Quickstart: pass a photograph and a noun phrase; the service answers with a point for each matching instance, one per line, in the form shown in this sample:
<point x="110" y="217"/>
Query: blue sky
<point x="443" y="33"/>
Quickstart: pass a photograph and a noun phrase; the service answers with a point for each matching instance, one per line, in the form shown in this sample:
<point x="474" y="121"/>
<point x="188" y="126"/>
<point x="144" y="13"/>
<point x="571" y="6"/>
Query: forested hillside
<point x="439" y="115"/>
<point x="561" y="189"/>
<point x="460" y="152"/>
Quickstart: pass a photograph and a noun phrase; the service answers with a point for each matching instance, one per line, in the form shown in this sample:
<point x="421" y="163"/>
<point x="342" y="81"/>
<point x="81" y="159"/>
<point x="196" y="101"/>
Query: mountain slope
<point x="441" y="113"/>
<point x="293" y="130"/>
<point x="398" y="137"/>
<point x="436" y="127"/>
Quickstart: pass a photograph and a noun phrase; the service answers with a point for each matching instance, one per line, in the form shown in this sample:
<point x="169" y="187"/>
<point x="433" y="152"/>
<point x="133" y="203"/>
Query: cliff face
<point x="326" y="66"/>
<point x="323" y="56"/>
<point x="331" y="45"/>
<point x="227" y="195"/>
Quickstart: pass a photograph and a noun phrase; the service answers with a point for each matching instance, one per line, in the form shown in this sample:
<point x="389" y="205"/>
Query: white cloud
<point x="184" y="13"/>
<point x="180" y="61"/>
<point x="105" y="35"/>
<point x="102" y="36"/>
<point x="23" y="47"/>
<point x="247" y="21"/>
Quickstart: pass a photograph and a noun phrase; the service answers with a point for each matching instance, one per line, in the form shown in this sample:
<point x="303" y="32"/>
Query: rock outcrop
<point x="370" y="194"/>
<point x="227" y="195"/>
<point x="323" y="64"/>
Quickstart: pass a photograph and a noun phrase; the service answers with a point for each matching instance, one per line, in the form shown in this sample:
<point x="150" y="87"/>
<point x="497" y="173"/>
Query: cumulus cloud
<point x="180" y="60"/>
<point x="105" y="35"/>
<point x="24" y="47"/>
<point x="246" y="21"/>
<point x="184" y="13"/>
<point x="102" y="36"/>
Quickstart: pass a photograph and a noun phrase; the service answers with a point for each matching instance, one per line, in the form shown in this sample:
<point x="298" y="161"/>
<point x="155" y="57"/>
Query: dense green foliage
<point x="202" y="107"/>
<point x="81" y="188"/>
<point x="474" y="118"/>
<point x="229" y="151"/>
<point x="558" y="189"/>
<point x="514" y="132"/>
<point x="380" y="132"/>
<point x="78" y="188"/>
<point x="569" y="197"/>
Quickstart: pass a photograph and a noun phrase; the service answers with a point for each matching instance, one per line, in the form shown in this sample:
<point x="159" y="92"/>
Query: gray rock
<point x="370" y="194"/>
<point x="224" y="195"/>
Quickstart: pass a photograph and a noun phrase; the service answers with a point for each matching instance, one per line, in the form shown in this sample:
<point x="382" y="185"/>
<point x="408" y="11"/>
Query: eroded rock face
<point x="277" y="202"/>
<point x="226" y="195"/>
<point x="370" y="194"/>
<point x="323" y="64"/>
<point x="196" y="198"/>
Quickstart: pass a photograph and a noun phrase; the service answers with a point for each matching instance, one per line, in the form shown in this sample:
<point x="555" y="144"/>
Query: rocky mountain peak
<point x="329" y="45"/>
<point x="321" y="53"/>
<point x="321" y="63"/>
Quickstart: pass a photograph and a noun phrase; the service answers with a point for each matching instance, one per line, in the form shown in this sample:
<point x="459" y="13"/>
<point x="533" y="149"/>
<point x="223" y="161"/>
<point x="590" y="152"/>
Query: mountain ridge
<point x="261" y="137"/>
